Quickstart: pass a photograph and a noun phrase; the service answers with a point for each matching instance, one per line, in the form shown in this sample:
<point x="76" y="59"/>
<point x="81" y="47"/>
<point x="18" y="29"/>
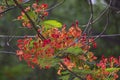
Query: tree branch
<point x="55" y="5"/>
<point x="10" y="8"/>
<point x="7" y="52"/>
<point x="107" y="22"/>
<point x="71" y="71"/>
<point x="90" y="19"/>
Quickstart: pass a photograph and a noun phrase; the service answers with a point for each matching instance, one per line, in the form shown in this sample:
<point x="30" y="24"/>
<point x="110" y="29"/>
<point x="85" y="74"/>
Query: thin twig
<point x="88" y="26"/>
<point x="90" y="19"/>
<point x="13" y="7"/>
<point x="8" y="9"/>
<point x="112" y="35"/>
<point x="108" y="13"/>
<point x="7" y="52"/>
<point x="100" y="15"/>
<point x="103" y="29"/>
<point x="55" y="5"/>
<point x="71" y="71"/>
<point x="32" y="36"/>
<point x="6" y="36"/>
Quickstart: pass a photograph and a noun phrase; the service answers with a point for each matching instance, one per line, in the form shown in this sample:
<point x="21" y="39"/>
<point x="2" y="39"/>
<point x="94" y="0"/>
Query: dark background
<point x="12" y="69"/>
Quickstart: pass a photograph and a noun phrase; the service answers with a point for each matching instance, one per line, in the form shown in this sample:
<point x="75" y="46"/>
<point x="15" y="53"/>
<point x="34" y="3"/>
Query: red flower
<point x="44" y="6"/>
<point x="20" y="46"/>
<point x="45" y="13"/>
<point x="89" y="77"/>
<point x="94" y="45"/>
<point x="55" y="35"/>
<point x="34" y="5"/>
<point x="27" y="56"/>
<point x="35" y="61"/>
<point x="19" y="52"/>
<point x="115" y="76"/>
<point x="45" y="42"/>
<point x="50" y="51"/>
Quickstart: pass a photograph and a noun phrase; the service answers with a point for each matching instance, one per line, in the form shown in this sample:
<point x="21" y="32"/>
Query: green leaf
<point x="64" y="75"/>
<point x="10" y="2"/>
<point x="31" y="44"/>
<point x="76" y="78"/>
<point x="74" y="50"/>
<point x="48" y="61"/>
<point x="48" y="24"/>
<point x="83" y="71"/>
<point x="65" y="72"/>
<point x="109" y="78"/>
<point x="112" y="69"/>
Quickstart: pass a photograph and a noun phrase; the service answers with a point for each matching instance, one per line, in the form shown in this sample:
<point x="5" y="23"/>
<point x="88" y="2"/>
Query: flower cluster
<point x="103" y="64"/>
<point x="45" y="53"/>
<point x="35" y="12"/>
<point x="68" y="48"/>
<point x="40" y="9"/>
<point x="107" y="68"/>
<point x="31" y="50"/>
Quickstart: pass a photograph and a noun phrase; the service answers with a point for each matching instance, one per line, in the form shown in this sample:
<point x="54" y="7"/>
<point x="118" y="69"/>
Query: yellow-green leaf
<point x="112" y="69"/>
<point x="74" y="50"/>
<point x="48" y="24"/>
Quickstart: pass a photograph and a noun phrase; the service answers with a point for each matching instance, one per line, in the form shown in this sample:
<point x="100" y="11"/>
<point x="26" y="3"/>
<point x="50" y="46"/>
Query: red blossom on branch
<point x="43" y="53"/>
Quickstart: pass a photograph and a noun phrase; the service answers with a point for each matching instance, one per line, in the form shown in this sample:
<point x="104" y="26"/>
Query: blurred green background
<point x="69" y="11"/>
